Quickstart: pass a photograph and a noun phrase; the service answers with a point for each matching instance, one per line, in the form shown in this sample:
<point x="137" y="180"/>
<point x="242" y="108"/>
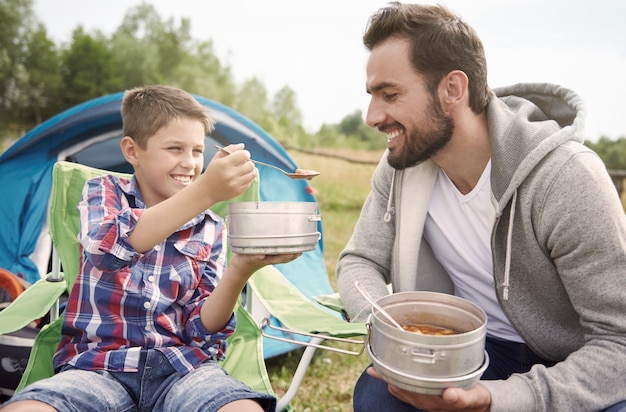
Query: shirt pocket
<point x="194" y="254"/>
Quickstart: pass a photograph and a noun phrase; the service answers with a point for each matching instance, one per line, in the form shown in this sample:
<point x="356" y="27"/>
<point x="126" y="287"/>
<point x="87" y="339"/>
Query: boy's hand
<point x="248" y="264"/>
<point x="219" y="305"/>
<point x="229" y="175"/>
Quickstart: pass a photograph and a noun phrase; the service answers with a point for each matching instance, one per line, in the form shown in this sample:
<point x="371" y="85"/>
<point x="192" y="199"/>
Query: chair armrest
<point x="30" y="305"/>
<point x="294" y="310"/>
<point x="332" y="301"/>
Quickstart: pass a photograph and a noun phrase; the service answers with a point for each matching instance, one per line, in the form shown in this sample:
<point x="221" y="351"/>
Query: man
<point x="492" y="196"/>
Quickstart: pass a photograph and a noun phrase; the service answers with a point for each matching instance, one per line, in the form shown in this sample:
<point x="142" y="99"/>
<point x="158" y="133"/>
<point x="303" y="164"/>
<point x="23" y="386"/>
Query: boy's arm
<point x="225" y="178"/>
<point x="219" y="305"/>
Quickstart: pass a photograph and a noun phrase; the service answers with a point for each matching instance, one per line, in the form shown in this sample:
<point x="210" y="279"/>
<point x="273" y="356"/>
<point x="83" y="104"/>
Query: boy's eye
<point x="173" y="148"/>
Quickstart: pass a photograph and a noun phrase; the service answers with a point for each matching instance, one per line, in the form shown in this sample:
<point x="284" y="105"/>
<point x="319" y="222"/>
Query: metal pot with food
<point x="440" y="342"/>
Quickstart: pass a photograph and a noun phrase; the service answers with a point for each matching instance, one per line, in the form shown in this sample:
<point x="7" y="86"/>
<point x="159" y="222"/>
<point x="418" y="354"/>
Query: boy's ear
<point x="129" y="149"/>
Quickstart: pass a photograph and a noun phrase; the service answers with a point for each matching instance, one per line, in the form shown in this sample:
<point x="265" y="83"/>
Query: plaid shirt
<point x="124" y="301"/>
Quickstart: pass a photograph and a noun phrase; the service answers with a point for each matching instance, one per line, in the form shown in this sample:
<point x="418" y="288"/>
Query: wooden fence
<point x="618" y="176"/>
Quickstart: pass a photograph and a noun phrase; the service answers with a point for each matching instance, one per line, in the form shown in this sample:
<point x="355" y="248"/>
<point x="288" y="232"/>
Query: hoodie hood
<point x="526" y="122"/>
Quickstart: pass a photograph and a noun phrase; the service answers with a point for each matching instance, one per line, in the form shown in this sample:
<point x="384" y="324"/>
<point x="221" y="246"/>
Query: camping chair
<point x="244" y="358"/>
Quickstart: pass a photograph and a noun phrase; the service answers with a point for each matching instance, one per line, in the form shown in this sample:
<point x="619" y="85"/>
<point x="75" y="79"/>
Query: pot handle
<point x="429" y="358"/>
<point x="315" y="218"/>
<point x="317" y="338"/>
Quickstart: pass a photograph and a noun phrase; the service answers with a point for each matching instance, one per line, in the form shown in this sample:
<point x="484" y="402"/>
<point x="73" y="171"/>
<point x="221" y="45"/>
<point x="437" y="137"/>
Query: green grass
<point x="341" y="190"/>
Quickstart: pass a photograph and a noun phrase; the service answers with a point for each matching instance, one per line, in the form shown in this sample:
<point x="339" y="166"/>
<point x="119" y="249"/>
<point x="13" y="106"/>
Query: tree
<point x="353" y="132"/>
<point x="16" y="17"/>
<point x="252" y="102"/>
<point x="38" y="79"/>
<point x="149" y="50"/>
<point x="287" y="118"/>
<point x="612" y="152"/>
<point x="201" y="72"/>
<point x="352" y="124"/>
<point x="89" y="68"/>
<point x="41" y="87"/>
<point x="146" y="49"/>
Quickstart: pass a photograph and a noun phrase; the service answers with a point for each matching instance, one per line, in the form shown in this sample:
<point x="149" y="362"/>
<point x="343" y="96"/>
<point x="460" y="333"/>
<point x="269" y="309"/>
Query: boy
<point x="149" y="314"/>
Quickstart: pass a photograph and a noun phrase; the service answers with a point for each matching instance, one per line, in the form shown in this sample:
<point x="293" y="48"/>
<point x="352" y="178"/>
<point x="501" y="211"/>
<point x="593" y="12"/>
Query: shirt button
<point x="150" y="278"/>
<point x="146" y="305"/>
<point x="157" y="247"/>
<point x="148" y="328"/>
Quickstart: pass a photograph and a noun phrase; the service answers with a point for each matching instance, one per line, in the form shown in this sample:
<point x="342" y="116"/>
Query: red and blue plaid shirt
<point x="124" y="301"/>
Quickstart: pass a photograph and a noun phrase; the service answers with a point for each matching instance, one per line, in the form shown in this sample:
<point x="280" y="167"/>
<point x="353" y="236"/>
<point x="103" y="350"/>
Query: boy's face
<point x="172" y="159"/>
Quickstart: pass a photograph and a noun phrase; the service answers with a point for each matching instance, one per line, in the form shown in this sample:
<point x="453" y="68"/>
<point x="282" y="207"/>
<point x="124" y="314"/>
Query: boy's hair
<point x="440" y="42"/>
<point x="147" y="109"/>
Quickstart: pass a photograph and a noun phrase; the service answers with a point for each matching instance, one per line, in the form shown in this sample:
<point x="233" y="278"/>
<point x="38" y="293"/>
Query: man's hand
<point x="476" y="399"/>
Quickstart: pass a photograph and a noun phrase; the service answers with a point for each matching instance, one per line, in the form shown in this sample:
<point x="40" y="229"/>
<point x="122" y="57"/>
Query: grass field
<point x="341" y="189"/>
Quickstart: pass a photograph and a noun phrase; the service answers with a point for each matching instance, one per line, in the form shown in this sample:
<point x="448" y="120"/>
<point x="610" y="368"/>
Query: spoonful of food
<point x="299" y="174"/>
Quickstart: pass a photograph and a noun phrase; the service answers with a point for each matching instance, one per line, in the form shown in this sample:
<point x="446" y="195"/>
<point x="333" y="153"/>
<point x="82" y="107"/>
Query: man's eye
<point x="390" y="96"/>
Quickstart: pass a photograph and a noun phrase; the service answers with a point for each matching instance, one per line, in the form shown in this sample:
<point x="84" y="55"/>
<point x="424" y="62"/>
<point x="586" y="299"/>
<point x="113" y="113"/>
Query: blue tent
<point x="89" y="134"/>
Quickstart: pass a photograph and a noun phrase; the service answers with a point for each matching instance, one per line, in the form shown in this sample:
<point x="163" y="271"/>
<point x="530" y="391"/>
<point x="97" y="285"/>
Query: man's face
<point x="402" y="107"/>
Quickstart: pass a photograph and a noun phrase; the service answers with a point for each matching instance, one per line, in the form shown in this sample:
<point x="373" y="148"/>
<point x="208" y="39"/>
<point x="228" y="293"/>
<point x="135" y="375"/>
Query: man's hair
<point x="145" y="110"/>
<point x="440" y="42"/>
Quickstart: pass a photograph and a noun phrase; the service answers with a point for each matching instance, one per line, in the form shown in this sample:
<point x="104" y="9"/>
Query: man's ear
<point x="129" y="150"/>
<point x="453" y="90"/>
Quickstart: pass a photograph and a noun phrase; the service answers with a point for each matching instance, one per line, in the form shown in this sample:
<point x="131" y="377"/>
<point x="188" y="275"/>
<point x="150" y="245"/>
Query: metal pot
<point x="273" y="227"/>
<point x="427" y="386"/>
<point x="428" y="356"/>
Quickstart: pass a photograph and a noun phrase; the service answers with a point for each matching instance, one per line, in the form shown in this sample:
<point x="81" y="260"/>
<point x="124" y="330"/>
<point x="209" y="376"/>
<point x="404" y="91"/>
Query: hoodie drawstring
<point x="389" y="211"/>
<point x="507" y="257"/>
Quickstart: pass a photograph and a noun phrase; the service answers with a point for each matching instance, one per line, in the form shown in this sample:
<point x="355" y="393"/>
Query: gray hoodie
<point x="558" y="247"/>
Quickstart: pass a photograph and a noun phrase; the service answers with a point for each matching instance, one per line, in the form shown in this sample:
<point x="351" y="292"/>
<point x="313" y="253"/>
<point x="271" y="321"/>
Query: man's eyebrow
<point x="378" y="87"/>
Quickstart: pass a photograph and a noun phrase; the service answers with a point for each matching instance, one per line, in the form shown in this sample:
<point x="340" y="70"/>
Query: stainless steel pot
<point x="423" y="385"/>
<point x="428" y="356"/>
<point x="273" y="227"/>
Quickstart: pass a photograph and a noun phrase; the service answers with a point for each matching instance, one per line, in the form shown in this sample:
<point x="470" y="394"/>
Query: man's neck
<point x="465" y="157"/>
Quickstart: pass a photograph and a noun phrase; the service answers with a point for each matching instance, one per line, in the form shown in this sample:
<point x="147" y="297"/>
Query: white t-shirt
<point x="458" y="228"/>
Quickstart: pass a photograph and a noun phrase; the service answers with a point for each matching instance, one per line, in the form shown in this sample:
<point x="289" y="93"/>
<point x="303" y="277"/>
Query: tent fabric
<point x="89" y="134"/>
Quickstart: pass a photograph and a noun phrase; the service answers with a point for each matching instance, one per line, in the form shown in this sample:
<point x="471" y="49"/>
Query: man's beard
<point x="421" y="144"/>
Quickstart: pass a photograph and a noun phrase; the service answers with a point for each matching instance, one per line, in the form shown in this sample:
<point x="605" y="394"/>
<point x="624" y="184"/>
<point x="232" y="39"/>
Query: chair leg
<point x="298" y="376"/>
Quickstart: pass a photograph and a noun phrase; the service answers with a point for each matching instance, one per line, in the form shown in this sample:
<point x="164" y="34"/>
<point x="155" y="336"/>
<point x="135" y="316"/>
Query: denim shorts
<point x="155" y="387"/>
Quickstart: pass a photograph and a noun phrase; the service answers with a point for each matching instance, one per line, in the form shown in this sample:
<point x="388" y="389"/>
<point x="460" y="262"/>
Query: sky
<point x="315" y="47"/>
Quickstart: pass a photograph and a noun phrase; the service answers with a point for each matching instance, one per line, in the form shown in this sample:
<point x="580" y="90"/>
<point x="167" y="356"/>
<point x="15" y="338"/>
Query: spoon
<point x="369" y="298"/>
<point x="300" y="174"/>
